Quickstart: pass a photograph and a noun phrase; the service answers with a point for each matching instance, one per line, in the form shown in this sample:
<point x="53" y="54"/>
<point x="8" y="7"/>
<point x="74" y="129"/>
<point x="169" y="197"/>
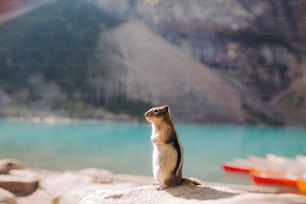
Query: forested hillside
<point x="55" y="44"/>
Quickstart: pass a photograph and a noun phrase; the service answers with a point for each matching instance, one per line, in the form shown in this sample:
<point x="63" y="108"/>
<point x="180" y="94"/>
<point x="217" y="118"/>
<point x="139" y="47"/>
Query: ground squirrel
<point x="167" y="149"/>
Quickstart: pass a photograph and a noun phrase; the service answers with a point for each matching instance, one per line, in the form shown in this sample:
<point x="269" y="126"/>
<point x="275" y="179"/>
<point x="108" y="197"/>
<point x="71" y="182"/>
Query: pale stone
<point x="98" y="175"/>
<point x="38" y="197"/>
<point x="190" y="194"/>
<point x="8" y="164"/>
<point x="59" y="184"/>
<point x="7" y="197"/>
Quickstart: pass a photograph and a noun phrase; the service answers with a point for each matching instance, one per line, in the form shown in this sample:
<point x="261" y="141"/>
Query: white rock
<point x="7" y="197"/>
<point x="38" y="197"/>
<point x="190" y="194"/>
<point x="8" y="164"/>
<point x="98" y="175"/>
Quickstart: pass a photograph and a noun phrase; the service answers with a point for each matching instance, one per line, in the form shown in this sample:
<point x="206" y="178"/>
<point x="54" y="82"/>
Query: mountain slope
<point x="155" y="71"/>
<point x="258" y="45"/>
<point x="46" y="58"/>
<point x="293" y="101"/>
<point x="77" y="61"/>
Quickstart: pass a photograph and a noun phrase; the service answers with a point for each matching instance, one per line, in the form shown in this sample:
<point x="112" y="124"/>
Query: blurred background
<point x="212" y="61"/>
<point x="215" y="62"/>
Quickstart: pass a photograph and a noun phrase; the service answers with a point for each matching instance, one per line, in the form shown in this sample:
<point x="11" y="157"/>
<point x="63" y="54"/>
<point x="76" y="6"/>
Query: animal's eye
<point x="155" y="111"/>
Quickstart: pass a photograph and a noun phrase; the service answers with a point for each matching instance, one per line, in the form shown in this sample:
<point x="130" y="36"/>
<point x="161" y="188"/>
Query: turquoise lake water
<point x="126" y="147"/>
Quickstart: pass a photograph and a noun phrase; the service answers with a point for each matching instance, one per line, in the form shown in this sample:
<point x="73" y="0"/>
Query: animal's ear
<point x="166" y="108"/>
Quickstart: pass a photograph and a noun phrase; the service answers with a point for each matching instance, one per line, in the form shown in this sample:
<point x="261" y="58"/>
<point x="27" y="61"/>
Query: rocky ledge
<point x="23" y="185"/>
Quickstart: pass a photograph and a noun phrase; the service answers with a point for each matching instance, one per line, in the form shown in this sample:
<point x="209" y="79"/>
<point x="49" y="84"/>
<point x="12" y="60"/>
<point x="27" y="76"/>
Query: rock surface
<point x="293" y="101"/>
<point x="95" y="186"/>
<point x="189" y="194"/>
<point x="18" y="185"/>
<point x="7" y="197"/>
<point x="8" y="164"/>
<point x="39" y="196"/>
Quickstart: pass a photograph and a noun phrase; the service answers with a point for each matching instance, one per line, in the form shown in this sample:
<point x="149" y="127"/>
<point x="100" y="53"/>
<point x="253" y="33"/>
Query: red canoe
<point x="274" y="180"/>
<point x="235" y="168"/>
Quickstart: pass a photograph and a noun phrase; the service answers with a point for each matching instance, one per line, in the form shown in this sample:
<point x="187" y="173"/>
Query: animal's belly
<point x="164" y="159"/>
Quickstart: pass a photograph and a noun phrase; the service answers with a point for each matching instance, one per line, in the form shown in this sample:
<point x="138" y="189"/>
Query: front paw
<point x="157" y="186"/>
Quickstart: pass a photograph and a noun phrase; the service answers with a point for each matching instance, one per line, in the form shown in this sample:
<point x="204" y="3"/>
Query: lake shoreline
<point x="125" y="147"/>
<point x="54" y="119"/>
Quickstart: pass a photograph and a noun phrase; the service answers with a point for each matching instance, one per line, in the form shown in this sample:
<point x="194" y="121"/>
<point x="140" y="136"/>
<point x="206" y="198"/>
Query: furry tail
<point x="192" y="181"/>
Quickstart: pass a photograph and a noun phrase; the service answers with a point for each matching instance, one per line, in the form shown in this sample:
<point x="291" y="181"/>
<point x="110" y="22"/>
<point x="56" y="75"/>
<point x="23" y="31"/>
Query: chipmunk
<point x="167" y="149"/>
